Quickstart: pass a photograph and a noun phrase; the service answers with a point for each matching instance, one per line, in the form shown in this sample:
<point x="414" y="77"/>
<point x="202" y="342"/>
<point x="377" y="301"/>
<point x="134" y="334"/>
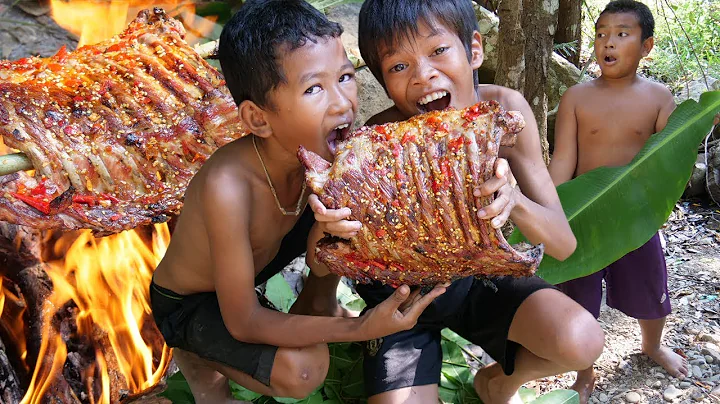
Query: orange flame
<point x="107" y="280"/>
<point x="94" y="21"/>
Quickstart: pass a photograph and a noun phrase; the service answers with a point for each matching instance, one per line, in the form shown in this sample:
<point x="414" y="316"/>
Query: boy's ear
<point x="254" y="119"/>
<point x="477" y="54"/>
<point x="647" y="46"/>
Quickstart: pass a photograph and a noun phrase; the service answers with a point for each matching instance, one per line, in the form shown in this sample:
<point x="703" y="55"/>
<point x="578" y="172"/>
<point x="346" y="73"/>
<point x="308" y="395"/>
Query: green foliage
<point x="344" y="383"/>
<point x="613" y="211"/>
<point x="279" y="293"/>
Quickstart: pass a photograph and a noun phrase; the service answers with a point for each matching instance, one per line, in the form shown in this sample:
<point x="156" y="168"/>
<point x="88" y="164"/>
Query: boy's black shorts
<point x="193" y="323"/>
<point x="481" y="311"/>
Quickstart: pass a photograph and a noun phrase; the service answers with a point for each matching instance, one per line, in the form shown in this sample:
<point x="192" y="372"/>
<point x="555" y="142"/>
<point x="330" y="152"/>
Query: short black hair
<point x="386" y="22"/>
<point x="254" y="40"/>
<point x="641" y="11"/>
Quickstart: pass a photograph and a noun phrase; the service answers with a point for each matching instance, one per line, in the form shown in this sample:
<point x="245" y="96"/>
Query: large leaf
<point x="558" y="397"/>
<point x="613" y="211"/>
<point x="279" y="293"/>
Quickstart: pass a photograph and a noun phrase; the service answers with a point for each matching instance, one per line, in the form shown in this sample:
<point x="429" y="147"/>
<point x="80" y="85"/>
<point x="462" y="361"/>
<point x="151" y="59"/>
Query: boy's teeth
<point x="343" y="126"/>
<point x="432" y="97"/>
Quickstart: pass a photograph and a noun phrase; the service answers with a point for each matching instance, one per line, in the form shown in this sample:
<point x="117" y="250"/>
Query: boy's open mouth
<point x="336" y="136"/>
<point x="610" y="59"/>
<point x="436" y="101"/>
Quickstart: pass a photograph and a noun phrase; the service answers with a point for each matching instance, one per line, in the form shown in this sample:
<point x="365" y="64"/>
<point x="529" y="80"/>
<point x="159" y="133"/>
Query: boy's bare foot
<point x="491" y="387"/>
<point x="674" y="364"/>
<point x="584" y="384"/>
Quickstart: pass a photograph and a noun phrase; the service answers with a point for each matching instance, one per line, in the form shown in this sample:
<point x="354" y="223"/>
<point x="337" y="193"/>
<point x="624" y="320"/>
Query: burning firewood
<point x="10" y="391"/>
<point x="411" y="185"/>
<point x="72" y="353"/>
<point x="114" y="131"/>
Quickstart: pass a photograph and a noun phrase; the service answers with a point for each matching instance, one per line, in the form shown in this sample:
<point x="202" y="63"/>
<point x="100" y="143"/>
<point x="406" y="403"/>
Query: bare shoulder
<point x="509" y="99"/>
<point x="223" y="182"/>
<point x="578" y="91"/>
<point x="391" y="114"/>
<point x="656" y="90"/>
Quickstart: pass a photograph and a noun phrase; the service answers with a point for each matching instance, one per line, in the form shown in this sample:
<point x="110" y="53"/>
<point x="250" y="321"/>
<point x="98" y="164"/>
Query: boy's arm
<point x="536" y="210"/>
<point x="666" y="108"/>
<point x="227" y="207"/>
<point x="565" y="155"/>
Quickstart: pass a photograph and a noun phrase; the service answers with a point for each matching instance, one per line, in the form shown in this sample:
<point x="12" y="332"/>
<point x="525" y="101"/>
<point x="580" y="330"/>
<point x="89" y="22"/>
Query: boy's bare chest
<point x="616" y="120"/>
<point x="267" y="232"/>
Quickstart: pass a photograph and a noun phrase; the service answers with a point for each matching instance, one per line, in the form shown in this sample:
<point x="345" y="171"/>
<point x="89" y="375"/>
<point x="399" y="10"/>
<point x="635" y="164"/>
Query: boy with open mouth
<point x="426" y="53"/>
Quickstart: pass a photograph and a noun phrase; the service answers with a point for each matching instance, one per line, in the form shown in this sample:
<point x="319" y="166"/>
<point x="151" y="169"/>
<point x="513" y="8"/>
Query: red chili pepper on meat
<point x="109" y="197"/>
<point x="39" y="204"/>
<point x="113" y="48"/>
<point x="472" y="113"/>
<point x="61" y="54"/>
<point x="445" y="169"/>
<point x="54" y="67"/>
<point x="86" y="199"/>
<point x="456" y="144"/>
<point x="39" y="190"/>
<point x="378" y="264"/>
<point x="407" y="137"/>
<point x="380" y="233"/>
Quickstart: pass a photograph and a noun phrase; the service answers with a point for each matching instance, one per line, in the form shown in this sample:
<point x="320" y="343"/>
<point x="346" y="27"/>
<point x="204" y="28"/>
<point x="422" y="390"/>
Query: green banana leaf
<point x="613" y="211"/>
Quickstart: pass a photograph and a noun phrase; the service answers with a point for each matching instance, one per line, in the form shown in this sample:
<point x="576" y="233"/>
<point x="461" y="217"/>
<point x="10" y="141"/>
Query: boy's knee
<point x="298" y="372"/>
<point x="582" y="343"/>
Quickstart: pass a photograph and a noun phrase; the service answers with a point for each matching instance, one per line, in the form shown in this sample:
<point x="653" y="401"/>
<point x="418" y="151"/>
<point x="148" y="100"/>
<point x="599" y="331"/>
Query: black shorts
<point x="480" y="311"/>
<point x="194" y="323"/>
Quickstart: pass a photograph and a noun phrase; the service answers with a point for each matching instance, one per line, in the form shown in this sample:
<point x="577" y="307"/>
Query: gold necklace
<point x="272" y="188"/>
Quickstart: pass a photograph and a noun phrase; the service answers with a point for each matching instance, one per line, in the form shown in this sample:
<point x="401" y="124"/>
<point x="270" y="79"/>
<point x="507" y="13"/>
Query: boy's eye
<point x="314" y="89"/>
<point x="600" y="35"/>
<point x="346" y="77"/>
<point x="440" y="50"/>
<point x="398" y="67"/>
<point x="623" y="34"/>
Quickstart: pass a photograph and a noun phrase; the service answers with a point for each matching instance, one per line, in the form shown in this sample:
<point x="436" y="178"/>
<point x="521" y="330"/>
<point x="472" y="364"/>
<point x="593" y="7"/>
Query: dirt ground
<point x="692" y="251"/>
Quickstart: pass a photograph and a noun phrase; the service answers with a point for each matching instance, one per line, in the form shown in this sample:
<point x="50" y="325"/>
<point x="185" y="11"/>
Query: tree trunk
<point x="569" y="23"/>
<point x="511" y="55"/>
<point x="539" y="21"/>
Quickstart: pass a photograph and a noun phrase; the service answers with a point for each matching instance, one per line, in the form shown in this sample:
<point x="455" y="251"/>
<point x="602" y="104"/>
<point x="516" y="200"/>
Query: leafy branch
<point x="690" y="43"/>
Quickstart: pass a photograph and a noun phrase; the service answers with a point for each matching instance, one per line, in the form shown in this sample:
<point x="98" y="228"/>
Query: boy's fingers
<point x="343" y="226"/>
<point x="332" y="215"/>
<point x="399" y="296"/>
<point x="316" y="205"/>
<point x="414" y="311"/>
<point x="499" y="220"/>
<point x="490" y="186"/>
<point x="501" y="168"/>
<point x="414" y="297"/>
<point x="495" y="208"/>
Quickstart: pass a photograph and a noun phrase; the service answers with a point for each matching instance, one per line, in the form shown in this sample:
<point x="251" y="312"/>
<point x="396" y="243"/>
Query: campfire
<point x="75" y="323"/>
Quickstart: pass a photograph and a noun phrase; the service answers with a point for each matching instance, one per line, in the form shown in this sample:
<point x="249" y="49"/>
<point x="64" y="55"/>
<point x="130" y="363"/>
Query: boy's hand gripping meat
<point x="115" y="131"/>
<point x="411" y="185"/>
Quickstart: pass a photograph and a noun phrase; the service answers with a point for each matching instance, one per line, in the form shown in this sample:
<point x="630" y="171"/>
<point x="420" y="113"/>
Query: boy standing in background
<point x="606" y="122"/>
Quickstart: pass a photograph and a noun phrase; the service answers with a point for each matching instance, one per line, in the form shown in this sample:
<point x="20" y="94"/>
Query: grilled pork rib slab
<point x="115" y="131"/>
<point x="411" y="185"/>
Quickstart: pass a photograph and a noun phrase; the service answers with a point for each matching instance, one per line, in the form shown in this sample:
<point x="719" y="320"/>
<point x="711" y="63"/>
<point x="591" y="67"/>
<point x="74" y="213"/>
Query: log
<point x="696" y="184"/>
<point x="10" y="391"/>
<point x="20" y="246"/>
<point x="713" y="173"/>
